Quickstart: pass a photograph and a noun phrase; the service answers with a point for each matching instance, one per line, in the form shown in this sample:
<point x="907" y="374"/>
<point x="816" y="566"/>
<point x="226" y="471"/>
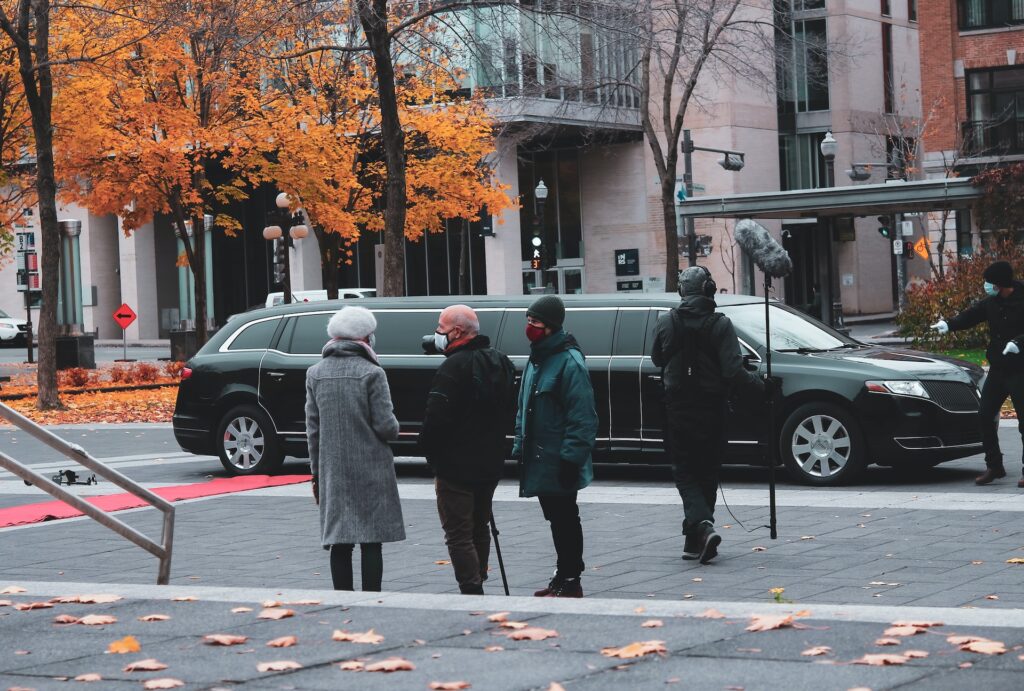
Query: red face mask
<point x="534" y="333"/>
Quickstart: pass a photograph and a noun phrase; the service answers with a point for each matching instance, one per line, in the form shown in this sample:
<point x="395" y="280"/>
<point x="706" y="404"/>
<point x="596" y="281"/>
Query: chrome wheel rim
<point x="821" y="446"/>
<point x="244" y="443"/>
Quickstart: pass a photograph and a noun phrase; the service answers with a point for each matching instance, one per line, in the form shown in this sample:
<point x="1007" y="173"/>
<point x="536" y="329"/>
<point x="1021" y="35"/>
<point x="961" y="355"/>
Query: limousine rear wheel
<point x="246" y="442"/>
<point x="821" y="444"/>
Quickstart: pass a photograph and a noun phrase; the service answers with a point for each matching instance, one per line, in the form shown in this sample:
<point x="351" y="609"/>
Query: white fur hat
<point x="352" y="323"/>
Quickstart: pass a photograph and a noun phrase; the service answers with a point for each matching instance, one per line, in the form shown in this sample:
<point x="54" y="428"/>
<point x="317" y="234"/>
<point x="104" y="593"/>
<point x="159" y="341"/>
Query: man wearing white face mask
<point x="470" y="410"/>
<point x="1003" y="309"/>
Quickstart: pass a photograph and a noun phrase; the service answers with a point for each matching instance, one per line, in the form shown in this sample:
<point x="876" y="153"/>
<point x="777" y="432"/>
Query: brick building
<point x="972" y="84"/>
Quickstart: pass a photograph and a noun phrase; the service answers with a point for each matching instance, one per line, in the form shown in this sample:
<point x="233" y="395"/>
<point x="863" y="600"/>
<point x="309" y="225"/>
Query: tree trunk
<point x="373" y="16"/>
<point x="668" y="209"/>
<point x="199" y="276"/>
<point x="330" y="257"/>
<point x="39" y="94"/>
<point x="464" y="259"/>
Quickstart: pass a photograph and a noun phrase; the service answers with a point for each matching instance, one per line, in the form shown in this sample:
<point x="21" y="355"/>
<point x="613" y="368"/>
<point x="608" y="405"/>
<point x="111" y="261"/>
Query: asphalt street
<point x="900" y="545"/>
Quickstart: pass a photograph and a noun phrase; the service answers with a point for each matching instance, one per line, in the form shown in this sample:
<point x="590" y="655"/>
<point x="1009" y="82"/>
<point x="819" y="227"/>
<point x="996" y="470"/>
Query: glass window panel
<point x="309" y="334"/>
<point x="592" y="328"/>
<point x="437" y="260"/>
<point x="629" y="333"/>
<point x="256" y="336"/>
<point x="570" y="227"/>
<point x="400" y="333"/>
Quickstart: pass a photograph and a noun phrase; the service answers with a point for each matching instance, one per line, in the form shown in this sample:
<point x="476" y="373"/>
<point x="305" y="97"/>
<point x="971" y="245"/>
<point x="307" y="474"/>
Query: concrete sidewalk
<point x="451" y="639"/>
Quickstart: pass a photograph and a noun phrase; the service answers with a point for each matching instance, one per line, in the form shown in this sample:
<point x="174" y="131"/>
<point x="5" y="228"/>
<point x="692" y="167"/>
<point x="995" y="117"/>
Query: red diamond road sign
<point x="124" y="316"/>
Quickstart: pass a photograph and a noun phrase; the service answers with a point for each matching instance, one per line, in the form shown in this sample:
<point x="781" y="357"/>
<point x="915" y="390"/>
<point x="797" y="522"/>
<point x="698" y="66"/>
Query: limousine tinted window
<point x="255" y="336"/>
<point x="592" y="328"/>
<point x="629" y="333"/>
<point x="308" y="335"/>
<point x="399" y="332"/>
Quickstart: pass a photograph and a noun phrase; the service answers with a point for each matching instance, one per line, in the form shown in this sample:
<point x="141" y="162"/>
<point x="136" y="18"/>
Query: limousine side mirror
<point x="427" y="342"/>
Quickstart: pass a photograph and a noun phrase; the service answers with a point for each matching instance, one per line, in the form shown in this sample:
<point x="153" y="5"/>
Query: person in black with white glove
<point x="1003" y="309"/>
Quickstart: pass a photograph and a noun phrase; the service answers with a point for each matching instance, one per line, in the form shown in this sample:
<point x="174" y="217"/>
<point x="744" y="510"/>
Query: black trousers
<point x="999" y="385"/>
<point x="371" y="565"/>
<point x="695" y="442"/>
<point x="465" y="512"/>
<point x="562" y="512"/>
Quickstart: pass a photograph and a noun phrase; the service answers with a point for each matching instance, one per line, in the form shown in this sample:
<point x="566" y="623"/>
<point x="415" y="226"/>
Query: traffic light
<point x="537" y="260"/>
<point x="885" y="229"/>
<point x="908" y="249"/>
<point x="280" y="259"/>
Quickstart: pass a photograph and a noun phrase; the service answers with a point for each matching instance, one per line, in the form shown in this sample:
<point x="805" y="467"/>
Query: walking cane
<point x="770" y="446"/>
<point x="497" y="550"/>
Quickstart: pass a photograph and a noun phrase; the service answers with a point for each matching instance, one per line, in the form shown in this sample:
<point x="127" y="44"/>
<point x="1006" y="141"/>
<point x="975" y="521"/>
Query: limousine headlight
<point x="900" y="387"/>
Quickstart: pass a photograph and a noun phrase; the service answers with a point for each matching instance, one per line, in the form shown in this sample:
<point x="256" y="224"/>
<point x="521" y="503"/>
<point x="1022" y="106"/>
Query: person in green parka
<point x="556" y="426"/>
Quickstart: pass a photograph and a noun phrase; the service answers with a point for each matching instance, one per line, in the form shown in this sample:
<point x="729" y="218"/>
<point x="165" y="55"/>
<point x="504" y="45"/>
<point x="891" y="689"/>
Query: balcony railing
<point x="994" y="137"/>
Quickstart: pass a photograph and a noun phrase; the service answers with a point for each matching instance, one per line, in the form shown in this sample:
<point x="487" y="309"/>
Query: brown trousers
<point x="465" y="511"/>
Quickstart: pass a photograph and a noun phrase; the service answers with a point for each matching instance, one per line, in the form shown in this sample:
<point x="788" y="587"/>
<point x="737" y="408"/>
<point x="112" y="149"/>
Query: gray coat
<point x="349" y="422"/>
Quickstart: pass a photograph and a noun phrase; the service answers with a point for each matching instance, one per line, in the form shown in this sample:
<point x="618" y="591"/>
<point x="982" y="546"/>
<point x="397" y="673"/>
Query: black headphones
<point x="708" y="288"/>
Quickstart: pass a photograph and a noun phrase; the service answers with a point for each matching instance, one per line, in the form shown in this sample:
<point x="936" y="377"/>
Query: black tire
<point x="246" y="442"/>
<point x="821" y="444"/>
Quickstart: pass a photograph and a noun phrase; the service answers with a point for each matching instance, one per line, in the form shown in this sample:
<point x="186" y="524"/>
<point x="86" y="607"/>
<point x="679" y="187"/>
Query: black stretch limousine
<point x="845" y="404"/>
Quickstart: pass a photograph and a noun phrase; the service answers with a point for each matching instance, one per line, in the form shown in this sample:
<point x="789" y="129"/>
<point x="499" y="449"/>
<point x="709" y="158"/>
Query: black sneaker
<point x="471" y="589"/>
<point x="709" y="547"/>
<point x="569" y="587"/>
<point x="691" y="548"/>
<point x="552" y="585"/>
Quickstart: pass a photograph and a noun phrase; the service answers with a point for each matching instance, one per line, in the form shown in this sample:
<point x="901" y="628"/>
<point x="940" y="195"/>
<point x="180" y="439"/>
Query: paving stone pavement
<point x="449" y="638"/>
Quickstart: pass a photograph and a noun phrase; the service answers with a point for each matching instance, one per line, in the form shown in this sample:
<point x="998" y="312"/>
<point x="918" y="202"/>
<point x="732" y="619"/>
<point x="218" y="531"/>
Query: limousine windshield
<point x="791" y="330"/>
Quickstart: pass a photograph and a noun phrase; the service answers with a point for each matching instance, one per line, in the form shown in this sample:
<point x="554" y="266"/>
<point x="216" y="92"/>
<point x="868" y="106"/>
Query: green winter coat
<point x="556" y="420"/>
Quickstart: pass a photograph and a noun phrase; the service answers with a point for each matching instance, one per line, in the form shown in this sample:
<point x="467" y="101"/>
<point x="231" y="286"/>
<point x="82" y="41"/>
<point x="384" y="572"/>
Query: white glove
<point x="1011" y="348"/>
<point x="941" y="326"/>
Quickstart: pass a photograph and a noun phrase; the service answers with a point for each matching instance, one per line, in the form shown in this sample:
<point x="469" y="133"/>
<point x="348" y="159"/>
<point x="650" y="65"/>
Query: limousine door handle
<point x="275" y="374"/>
<point x="654" y="377"/>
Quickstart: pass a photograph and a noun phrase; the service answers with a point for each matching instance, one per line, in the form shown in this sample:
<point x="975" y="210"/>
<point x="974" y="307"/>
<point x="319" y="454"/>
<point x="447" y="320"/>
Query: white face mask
<point x="441" y="342"/>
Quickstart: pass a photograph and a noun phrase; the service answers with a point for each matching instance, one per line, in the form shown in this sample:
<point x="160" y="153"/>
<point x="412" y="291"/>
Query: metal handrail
<point x="161" y="551"/>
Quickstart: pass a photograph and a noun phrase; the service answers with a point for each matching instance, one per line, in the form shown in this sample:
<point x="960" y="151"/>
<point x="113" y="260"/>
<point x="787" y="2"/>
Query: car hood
<point x="900" y="363"/>
<point x="11" y="321"/>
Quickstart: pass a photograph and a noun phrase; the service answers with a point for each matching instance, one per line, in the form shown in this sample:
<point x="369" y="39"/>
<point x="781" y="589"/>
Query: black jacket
<point x="719" y="368"/>
<point x="470" y="410"/>
<point x="1005" y="317"/>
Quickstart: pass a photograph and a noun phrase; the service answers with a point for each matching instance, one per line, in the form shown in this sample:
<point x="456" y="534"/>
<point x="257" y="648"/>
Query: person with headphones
<point x="702" y="367"/>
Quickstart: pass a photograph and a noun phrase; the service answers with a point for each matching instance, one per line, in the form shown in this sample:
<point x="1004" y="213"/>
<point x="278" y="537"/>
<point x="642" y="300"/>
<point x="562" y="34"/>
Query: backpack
<point x="691" y="342"/>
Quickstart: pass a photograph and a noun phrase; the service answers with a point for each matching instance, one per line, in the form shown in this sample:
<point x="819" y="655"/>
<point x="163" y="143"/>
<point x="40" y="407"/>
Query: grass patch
<point x="975" y="355"/>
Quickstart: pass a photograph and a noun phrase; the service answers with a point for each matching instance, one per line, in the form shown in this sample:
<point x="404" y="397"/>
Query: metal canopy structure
<point x="852" y="200"/>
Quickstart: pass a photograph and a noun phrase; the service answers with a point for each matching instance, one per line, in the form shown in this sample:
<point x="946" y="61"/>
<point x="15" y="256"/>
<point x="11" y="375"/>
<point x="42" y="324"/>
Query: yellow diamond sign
<point x="921" y="248"/>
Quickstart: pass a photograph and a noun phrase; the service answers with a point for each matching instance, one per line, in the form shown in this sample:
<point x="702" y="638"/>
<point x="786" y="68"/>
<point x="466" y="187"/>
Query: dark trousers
<point x="695" y="442"/>
<point x="371" y="565"/>
<point x="562" y="512"/>
<point x="999" y="385"/>
<point x="465" y="512"/>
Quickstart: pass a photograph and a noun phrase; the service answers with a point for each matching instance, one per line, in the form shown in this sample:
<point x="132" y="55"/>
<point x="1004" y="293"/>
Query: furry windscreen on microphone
<point x="767" y="253"/>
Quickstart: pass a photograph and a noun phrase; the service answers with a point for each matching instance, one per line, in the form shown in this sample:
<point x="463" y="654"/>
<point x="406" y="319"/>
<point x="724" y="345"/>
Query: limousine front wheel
<point x="246" y="442"/>
<point x="821" y="444"/>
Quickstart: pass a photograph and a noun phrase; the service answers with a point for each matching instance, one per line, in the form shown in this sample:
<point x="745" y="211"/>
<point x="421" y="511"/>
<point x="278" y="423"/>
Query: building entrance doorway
<point x="807" y="286"/>
<point x="557" y="279"/>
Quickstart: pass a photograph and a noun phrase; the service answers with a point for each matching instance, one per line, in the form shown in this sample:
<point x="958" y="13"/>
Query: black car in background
<point x="845" y="405"/>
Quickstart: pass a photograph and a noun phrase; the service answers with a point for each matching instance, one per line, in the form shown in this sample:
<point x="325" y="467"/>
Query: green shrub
<point x="947" y="296"/>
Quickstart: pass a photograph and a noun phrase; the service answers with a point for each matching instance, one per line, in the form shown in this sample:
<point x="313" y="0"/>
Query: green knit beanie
<point x="548" y="309"/>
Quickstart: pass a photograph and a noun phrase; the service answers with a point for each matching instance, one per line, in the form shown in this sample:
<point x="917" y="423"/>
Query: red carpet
<point x="54" y="510"/>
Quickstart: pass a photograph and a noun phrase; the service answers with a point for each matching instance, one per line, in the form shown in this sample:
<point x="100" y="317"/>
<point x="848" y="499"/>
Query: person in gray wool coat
<point x="349" y="422"/>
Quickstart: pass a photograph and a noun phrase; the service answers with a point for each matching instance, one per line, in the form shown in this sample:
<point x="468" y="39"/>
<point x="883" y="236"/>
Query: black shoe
<point x="989" y="475"/>
<point x="471" y="589"/>
<point x="569" y="587"/>
<point x="709" y="548"/>
<point x="552" y="585"/>
<point x="691" y="548"/>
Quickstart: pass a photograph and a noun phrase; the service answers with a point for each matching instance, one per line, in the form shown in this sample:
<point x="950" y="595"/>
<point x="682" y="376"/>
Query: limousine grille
<point x="954" y="396"/>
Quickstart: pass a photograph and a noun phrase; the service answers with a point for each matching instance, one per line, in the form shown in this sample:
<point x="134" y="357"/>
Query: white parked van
<point x="274" y="299"/>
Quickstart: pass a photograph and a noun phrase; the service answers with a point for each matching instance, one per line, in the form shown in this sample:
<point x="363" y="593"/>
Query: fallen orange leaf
<point x="278" y="666"/>
<point x="448" y="685"/>
<point x="154" y="617"/>
<point x="391" y="664"/>
<point x="351" y="666"/>
<point x="163" y="683"/>
<point x="5" y="603"/>
<point x="493" y="649"/>
<point x="148" y="665"/>
<point x="241" y="610"/>
<point x="91" y="676"/>
<point x="769" y="623"/>
<point x="276" y="613"/>
<point x="653" y="624"/>
<point x="25" y="606"/>
<point x="224" y="639"/>
<point x="65" y="619"/>
<point x="442" y="562"/>
<point x="887" y="641"/>
<point x="912" y="654"/>
<point x="12" y="590"/>
<point x="283" y="642"/>
<point x="984" y="647"/>
<point x="271" y="603"/>
<point x="532" y="633"/>
<point x="185" y="598"/>
<point x="963" y="640"/>
<point x="922" y="624"/>
<point x="128" y="644"/>
<point x="817" y="650"/>
<point x="711" y="614"/>
<point x="880" y="660"/>
<point x="555" y="686"/>
<point x="498" y="617"/>
<point x="366" y="637"/>
<point x="304" y="602"/>
<point x="97" y="620"/>
<point x="905" y="630"/>
<point x="638" y="649"/>
<point x="514" y="625"/>
<point x="1015" y="560"/>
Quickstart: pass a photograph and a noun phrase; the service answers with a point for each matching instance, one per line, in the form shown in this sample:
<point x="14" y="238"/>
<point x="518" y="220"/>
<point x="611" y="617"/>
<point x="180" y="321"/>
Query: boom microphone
<point x="767" y="253"/>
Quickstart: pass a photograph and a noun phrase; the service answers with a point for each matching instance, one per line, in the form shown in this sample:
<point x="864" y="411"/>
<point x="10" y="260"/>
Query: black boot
<point x="567" y="587"/>
<point x="691" y="547"/>
<point x="989" y="475"/>
<point x="553" y="584"/>
<point x="709" y="545"/>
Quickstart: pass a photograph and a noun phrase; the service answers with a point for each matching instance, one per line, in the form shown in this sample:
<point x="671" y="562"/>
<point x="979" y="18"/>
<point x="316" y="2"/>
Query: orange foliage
<point x="150" y="405"/>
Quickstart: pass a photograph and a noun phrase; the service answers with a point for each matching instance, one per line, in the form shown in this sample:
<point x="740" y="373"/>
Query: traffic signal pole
<point x="901" y="265"/>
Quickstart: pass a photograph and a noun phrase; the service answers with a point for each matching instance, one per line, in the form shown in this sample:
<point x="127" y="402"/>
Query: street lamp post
<point x="283" y="241"/>
<point x="730" y="160"/>
<point x="828" y="148"/>
<point x="539" y="260"/>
